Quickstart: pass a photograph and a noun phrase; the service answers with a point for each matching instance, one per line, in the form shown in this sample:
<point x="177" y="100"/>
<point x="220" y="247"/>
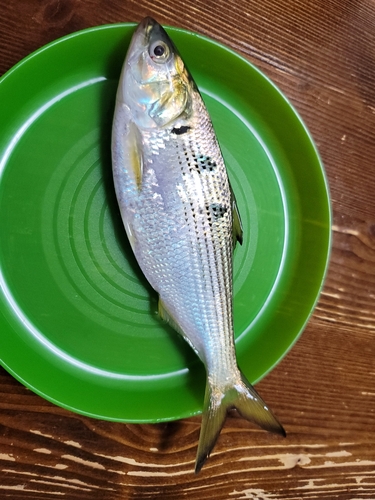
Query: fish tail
<point x="248" y="403"/>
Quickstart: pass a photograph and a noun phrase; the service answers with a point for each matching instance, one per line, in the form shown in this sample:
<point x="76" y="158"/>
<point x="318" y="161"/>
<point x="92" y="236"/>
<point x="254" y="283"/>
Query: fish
<point x="181" y="218"/>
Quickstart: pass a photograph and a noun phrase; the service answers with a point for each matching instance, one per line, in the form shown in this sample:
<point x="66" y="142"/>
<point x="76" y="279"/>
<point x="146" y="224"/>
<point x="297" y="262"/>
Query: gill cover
<point x="154" y="84"/>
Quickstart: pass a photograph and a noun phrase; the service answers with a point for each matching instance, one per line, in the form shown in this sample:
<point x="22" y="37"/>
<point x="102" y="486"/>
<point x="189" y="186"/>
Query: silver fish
<point x="181" y="218"/>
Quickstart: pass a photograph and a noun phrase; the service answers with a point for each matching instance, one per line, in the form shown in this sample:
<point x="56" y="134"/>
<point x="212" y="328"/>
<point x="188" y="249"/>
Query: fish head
<point x="154" y="83"/>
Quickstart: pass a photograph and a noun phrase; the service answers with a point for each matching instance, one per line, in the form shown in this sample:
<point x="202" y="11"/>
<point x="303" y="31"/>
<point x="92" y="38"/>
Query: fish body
<point x="181" y="218"/>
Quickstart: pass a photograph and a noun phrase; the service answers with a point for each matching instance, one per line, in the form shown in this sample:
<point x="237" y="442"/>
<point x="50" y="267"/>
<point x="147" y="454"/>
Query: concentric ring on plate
<point x="81" y="250"/>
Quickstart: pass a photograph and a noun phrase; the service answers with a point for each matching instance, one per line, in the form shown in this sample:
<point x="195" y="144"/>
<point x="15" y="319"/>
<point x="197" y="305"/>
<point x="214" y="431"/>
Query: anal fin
<point x="168" y="318"/>
<point x="172" y="322"/>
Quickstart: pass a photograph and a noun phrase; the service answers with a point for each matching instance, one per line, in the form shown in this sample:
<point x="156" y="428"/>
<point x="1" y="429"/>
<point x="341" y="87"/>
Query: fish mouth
<point x="142" y="32"/>
<point x="140" y="41"/>
<point x="150" y="30"/>
<point x="147" y="24"/>
<point x="145" y="28"/>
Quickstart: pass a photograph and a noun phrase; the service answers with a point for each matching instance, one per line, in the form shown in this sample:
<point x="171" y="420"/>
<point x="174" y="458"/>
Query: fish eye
<point x="159" y="51"/>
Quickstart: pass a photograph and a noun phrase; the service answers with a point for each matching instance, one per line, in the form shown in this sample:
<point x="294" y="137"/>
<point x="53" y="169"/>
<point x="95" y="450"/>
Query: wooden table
<point x="321" y="54"/>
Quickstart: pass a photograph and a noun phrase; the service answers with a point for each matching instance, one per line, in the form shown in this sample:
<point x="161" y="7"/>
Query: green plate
<point x="78" y="322"/>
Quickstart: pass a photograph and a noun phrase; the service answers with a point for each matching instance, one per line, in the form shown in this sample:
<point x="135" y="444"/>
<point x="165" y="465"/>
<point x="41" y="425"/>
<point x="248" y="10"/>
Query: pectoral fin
<point x="133" y="147"/>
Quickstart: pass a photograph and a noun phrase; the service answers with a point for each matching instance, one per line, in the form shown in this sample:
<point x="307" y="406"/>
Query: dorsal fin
<point x="237" y="224"/>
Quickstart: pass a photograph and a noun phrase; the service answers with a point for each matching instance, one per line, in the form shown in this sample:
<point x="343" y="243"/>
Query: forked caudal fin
<point x="248" y="403"/>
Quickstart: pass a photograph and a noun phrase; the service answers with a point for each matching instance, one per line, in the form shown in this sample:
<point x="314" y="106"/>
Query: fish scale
<point x="181" y="218"/>
<point x="190" y="193"/>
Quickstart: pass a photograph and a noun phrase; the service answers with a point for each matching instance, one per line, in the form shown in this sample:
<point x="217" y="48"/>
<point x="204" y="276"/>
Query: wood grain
<point x="321" y="54"/>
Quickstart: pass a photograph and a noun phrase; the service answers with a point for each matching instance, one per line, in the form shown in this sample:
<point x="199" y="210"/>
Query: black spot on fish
<point x="217" y="211"/>
<point x="205" y="164"/>
<point x="180" y="130"/>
